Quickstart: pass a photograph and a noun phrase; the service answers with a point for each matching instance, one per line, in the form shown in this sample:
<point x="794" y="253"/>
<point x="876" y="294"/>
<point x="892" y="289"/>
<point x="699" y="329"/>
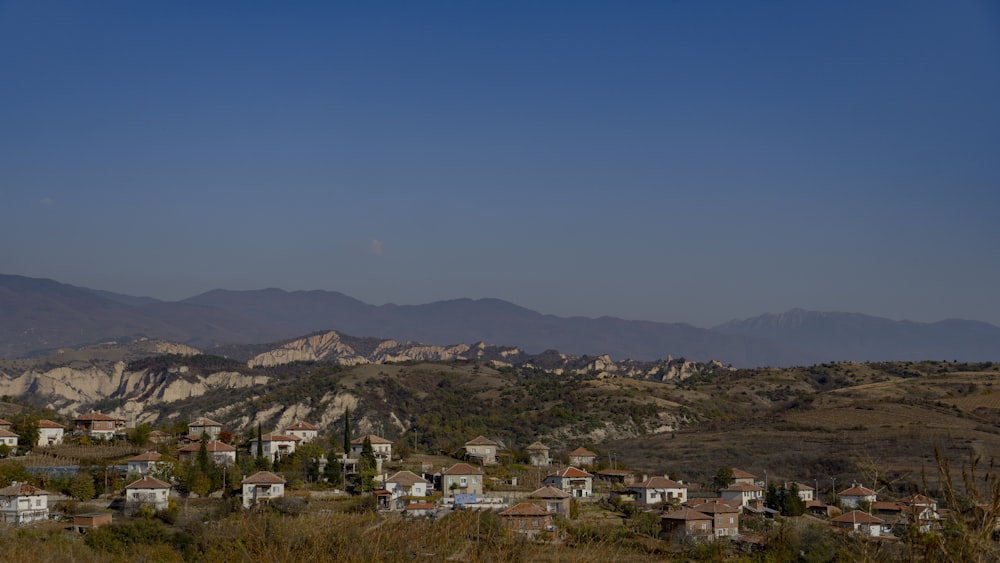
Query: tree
<point x="4" y="450"/>
<point x="260" y="444"/>
<point x="347" y="431"/>
<point x="27" y="432"/>
<point x="333" y="471"/>
<point x="723" y="478"/>
<point x="140" y="435"/>
<point x="203" y="460"/>
<point x="792" y="504"/>
<point x="367" y="467"/>
<point x="81" y="486"/>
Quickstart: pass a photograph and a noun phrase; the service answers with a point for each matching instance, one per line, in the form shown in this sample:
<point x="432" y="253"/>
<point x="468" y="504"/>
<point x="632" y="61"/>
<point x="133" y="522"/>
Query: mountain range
<point x="39" y="315"/>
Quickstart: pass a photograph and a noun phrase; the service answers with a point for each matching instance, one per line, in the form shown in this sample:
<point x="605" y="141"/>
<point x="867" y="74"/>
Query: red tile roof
<point x="686" y="514"/>
<point x="549" y="492"/>
<point x="204" y="422"/>
<point x="49" y="424"/>
<point x="149" y="483"/>
<point x="740" y="474"/>
<point x="407" y="479"/>
<point x="4" y="433"/>
<point x="858" y="517"/>
<point x="481" y="441"/>
<point x="525" y="509"/>
<point x="263" y="478"/>
<point x="98" y="416"/>
<point x="6" y="422"/>
<point x="272" y="437"/>
<point x="302" y="426"/>
<point x="21" y="490"/>
<point x="857" y="491"/>
<point x="462" y="469"/>
<point x="582" y="452"/>
<point x="147" y="456"/>
<point x="420" y="506"/>
<point x="746" y="487"/>
<point x="658" y="483"/>
<point x="537" y="446"/>
<point x="371" y="438"/>
<point x="571" y="472"/>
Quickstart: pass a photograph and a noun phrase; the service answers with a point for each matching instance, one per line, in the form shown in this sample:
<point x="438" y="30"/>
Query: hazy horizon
<point x="677" y="163"/>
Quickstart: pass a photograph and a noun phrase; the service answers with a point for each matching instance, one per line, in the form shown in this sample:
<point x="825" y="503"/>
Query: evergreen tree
<point x="723" y="478"/>
<point x="203" y="460"/>
<point x="347" y="431"/>
<point x="367" y="467"/>
<point x="260" y="444"/>
<point x="333" y="472"/>
<point x="27" y="433"/>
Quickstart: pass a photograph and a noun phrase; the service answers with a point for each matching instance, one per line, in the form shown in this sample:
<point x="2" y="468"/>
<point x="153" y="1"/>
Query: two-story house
<point x="659" y="490"/>
<point x="305" y="431"/>
<point x="144" y="462"/>
<point x="538" y="454"/>
<point x="147" y="491"/>
<point x="204" y="425"/>
<point x="576" y="482"/>
<point x="21" y="503"/>
<point x="220" y="452"/>
<point x="482" y="450"/>
<point x="50" y="433"/>
<point x="582" y="456"/>
<point x="276" y="446"/>
<point x="98" y="425"/>
<point x="381" y="447"/>
<point x="725" y="515"/>
<point x="855" y="495"/>
<point x="262" y="487"/>
<point x="461" y="478"/>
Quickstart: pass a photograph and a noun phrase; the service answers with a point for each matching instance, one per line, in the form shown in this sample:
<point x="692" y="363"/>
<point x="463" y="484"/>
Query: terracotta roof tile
<point x="372" y="438"/>
<point x="481" y="441"/>
<point x="462" y="469"/>
<point x="148" y="483"/>
<point x="263" y="478"/>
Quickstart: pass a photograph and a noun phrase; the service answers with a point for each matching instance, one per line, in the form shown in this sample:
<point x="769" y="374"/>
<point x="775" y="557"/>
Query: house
<point x="576" y="482"/>
<point x="202" y="426"/>
<point x="147" y="491"/>
<point x="745" y="493"/>
<point x="819" y="508"/>
<point x="657" y="490"/>
<point x="50" y="433"/>
<point x="858" y="521"/>
<point x="582" y="456"/>
<point x="144" y="462"/>
<point x="855" y="495"/>
<point x="262" y="487"/>
<point x="461" y="478"/>
<point x="9" y="439"/>
<point x="21" y="503"/>
<point x="220" y="452"/>
<point x="276" y="446"/>
<point x="686" y="525"/>
<point x="616" y="476"/>
<point x="538" y="454"/>
<point x="555" y="501"/>
<point x="380" y="446"/>
<point x="90" y="520"/>
<point x="740" y="476"/>
<point x="407" y="484"/>
<point x="805" y="492"/>
<point x="725" y="515"/>
<point x="482" y="450"/>
<point x="6" y="425"/>
<point x="526" y="518"/>
<point x="305" y="431"/>
<point x="97" y="425"/>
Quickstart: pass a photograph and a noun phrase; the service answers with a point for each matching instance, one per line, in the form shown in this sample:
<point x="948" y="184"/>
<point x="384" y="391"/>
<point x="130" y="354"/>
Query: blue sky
<point x="670" y="161"/>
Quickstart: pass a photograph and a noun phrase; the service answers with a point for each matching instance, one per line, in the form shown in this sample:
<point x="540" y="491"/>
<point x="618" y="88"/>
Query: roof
<point x="481" y="441"/>
<point x="263" y="478"/>
<point x="745" y="487"/>
<point x="537" y="446"/>
<point x="570" y="472"/>
<point x="420" y="506"/>
<point x="4" y="433"/>
<point x="857" y="491"/>
<point x="525" y="509"/>
<point x="799" y="486"/>
<point x="22" y="490"/>
<point x="686" y="514"/>
<point x="582" y="452"/>
<point x="147" y="456"/>
<point x="858" y="517"/>
<point x="149" y="483"/>
<point x="302" y="426"/>
<point x="918" y="499"/>
<point x="462" y="469"/>
<point x="371" y="438"/>
<point x="406" y="478"/>
<point x="887" y="506"/>
<point x="43" y="423"/>
<point x="740" y="474"/>
<point x="712" y="505"/>
<point x="211" y="446"/>
<point x="549" y="492"/>
<point x="658" y="483"/>
<point x="6" y="422"/>
<point x="203" y="421"/>
<point x="98" y="416"/>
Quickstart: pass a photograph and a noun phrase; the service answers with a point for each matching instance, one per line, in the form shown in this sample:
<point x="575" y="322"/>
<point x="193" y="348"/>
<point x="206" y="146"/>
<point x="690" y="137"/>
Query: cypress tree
<point x="260" y="444"/>
<point x="347" y="431"/>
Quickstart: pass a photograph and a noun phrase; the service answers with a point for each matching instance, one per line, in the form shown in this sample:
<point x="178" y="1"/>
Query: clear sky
<point x="674" y="161"/>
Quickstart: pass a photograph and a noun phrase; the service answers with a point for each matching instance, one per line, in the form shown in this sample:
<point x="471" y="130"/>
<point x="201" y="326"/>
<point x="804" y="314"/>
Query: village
<point x="531" y="492"/>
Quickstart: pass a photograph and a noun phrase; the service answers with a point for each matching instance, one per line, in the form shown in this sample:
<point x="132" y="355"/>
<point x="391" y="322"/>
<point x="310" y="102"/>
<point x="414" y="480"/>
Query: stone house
<point x="482" y="450"/>
<point x="538" y="454"/>
<point x="582" y="456"/>
<point x="203" y="425"/>
<point x="553" y="500"/>
<point x="686" y="525"/>
<point x="526" y="518"/>
<point x="725" y="515"/>
<point x="461" y="478"/>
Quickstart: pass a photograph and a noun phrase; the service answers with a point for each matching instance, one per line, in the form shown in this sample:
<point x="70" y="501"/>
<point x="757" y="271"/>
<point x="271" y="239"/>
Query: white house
<point x="276" y="446"/>
<point x="538" y="454"/>
<point x="205" y="426"/>
<point x="855" y="495"/>
<point x="144" y="462"/>
<point x="261" y="487"/>
<point x="381" y="446"/>
<point x="806" y="493"/>
<point x="21" y="503"/>
<point x="656" y="490"/>
<point x="862" y="522"/>
<point x="9" y="439"/>
<point x="745" y="493"/>
<point x="407" y="484"/>
<point x="576" y="482"/>
<point x="305" y="431"/>
<point x="147" y="491"/>
<point x="98" y="425"/>
<point x="50" y="433"/>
